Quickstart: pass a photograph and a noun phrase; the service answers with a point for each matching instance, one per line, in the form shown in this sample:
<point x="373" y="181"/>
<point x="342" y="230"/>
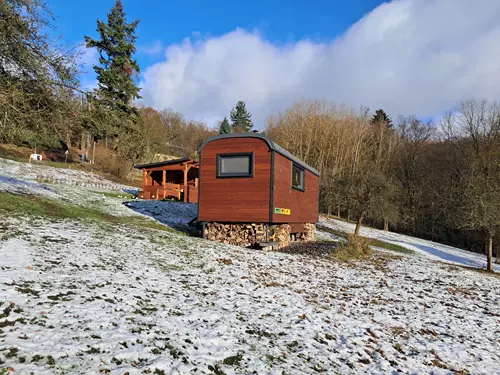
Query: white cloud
<point x="88" y="57"/>
<point x="154" y="48"/>
<point x="409" y="56"/>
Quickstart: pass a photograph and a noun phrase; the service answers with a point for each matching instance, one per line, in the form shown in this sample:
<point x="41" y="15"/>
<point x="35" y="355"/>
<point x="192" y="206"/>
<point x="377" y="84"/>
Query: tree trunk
<point x="386" y="225"/>
<point x="82" y="141"/>
<point x="498" y="254"/>
<point x="358" y="225"/>
<point x="338" y="211"/>
<point x="489" y="253"/>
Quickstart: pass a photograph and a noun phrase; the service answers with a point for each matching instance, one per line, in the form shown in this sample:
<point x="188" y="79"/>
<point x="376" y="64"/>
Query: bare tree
<point x="475" y="129"/>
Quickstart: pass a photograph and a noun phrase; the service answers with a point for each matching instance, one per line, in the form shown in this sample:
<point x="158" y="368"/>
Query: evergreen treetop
<point x="380" y="117"/>
<point x="117" y="67"/>
<point x="225" y="127"/>
<point x="241" y="118"/>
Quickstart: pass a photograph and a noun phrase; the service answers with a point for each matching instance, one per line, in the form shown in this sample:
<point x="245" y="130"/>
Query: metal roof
<point x="272" y="145"/>
<point x="163" y="163"/>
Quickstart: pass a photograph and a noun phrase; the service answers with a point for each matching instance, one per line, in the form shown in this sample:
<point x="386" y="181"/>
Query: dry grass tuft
<point x="356" y="247"/>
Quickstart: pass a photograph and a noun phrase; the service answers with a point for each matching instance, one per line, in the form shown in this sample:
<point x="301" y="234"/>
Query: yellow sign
<point x="282" y="211"/>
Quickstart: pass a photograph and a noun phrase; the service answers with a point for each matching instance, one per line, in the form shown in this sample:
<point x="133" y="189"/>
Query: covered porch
<point x="172" y="179"/>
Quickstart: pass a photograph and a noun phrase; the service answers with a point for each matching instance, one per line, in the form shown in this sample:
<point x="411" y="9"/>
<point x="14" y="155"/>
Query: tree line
<point x="439" y="181"/>
<point x="43" y="104"/>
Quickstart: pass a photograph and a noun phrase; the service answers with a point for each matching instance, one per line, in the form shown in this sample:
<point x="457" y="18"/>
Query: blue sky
<point x="166" y="22"/>
<point x="200" y="57"/>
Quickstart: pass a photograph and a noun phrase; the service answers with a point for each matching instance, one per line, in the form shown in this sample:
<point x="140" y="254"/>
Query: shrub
<point x="356" y="247"/>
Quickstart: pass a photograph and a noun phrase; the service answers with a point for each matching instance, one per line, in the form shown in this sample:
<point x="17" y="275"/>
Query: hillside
<point x="420" y="247"/>
<point x="91" y="285"/>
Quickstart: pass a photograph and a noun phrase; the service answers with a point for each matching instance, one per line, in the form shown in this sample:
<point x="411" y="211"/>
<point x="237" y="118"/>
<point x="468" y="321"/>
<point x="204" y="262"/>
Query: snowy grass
<point x="107" y="296"/>
<point x="420" y="247"/>
<point x="31" y="205"/>
<point x="371" y="241"/>
<point x="82" y="298"/>
<point x="115" y="194"/>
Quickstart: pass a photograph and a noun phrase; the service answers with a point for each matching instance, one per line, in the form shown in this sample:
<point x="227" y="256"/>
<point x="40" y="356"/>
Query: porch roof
<point x="169" y="163"/>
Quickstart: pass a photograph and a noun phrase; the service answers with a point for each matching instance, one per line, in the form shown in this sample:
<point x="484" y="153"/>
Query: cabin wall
<point x="243" y="199"/>
<point x="303" y="205"/>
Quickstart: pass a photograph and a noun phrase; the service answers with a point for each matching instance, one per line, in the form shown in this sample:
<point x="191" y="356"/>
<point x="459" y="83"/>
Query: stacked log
<point x="308" y="235"/>
<point x="245" y="235"/>
<point x="280" y="234"/>
<point x="250" y="235"/>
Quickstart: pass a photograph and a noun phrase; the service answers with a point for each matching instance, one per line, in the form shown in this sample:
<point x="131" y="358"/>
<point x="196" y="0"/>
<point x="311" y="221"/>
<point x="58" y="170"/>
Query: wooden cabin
<point x="248" y="178"/>
<point x="174" y="179"/>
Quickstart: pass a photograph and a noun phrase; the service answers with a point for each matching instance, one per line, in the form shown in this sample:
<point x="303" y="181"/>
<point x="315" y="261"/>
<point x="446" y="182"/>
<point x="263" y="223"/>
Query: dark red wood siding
<point x="243" y="199"/>
<point x="303" y="205"/>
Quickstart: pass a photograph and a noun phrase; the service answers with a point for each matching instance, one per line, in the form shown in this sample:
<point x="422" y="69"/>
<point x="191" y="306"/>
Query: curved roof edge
<point x="272" y="145"/>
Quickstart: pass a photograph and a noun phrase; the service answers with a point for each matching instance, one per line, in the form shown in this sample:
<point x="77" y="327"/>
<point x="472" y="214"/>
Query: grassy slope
<point x="370" y="241"/>
<point x="52" y="209"/>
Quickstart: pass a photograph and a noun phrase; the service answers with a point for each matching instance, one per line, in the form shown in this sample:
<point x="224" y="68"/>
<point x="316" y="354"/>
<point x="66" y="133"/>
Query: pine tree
<point x="225" y="127"/>
<point x="116" y="89"/>
<point x="380" y="117"/>
<point x="241" y="118"/>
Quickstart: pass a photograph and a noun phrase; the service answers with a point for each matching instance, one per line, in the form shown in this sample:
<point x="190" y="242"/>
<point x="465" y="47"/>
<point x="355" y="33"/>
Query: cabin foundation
<point x="253" y="235"/>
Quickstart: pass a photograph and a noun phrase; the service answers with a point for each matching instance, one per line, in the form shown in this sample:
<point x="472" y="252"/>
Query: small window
<point x="297" y="177"/>
<point x="235" y="165"/>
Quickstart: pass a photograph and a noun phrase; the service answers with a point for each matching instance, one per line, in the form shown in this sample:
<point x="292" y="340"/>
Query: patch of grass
<point x="389" y="246"/>
<point x="51" y="361"/>
<point x="114" y="194"/>
<point x="145" y="223"/>
<point x="165" y="267"/>
<point x="44" y="207"/>
<point x="482" y="271"/>
<point x="335" y="232"/>
<point x="370" y="241"/>
<point x="174" y="352"/>
<point x="50" y="208"/>
<point x="233" y="360"/>
<point x="355" y="248"/>
<point x="12" y="352"/>
<point x="37" y="358"/>
<point x="28" y="290"/>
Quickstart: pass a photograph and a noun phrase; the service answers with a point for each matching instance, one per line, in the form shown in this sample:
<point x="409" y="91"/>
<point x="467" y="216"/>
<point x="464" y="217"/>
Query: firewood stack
<point x="280" y="234"/>
<point x="245" y="235"/>
<point x="250" y="235"/>
<point x="309" y="234"/>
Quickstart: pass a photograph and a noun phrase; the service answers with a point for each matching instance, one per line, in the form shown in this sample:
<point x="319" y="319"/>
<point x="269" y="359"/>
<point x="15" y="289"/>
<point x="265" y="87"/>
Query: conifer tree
<point x="380" y="117"/>
<point x="241" y="118"/>
<point x="225" y="127"/>
<point x="116" y="67"/>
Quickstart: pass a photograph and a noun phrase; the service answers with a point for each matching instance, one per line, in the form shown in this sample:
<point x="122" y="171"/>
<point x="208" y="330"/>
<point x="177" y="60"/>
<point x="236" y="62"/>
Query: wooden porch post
<point x="186" y="168"/>
<point x="144" y="178"/>
<point x="164" y="182"/>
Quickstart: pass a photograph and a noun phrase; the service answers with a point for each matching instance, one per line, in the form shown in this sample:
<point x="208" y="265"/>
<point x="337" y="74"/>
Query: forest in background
<point x="439" y="180"/>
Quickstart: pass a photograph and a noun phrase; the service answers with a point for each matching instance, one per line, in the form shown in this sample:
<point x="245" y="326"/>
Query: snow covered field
<point x="425" y="248"/>
<point x="84" y="298"/>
